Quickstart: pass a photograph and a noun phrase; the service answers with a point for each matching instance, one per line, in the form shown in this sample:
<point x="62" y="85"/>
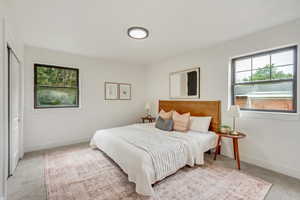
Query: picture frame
<point x="185" y="84"/>
<point x="111" y="91"/>
<point x="51" y="92"/>
<point x="124" y="91"/>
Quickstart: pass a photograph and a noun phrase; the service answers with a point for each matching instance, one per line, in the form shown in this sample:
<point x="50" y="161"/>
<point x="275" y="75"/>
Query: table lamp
<point x="147" y="108"/>
<point x="234" y="112"/>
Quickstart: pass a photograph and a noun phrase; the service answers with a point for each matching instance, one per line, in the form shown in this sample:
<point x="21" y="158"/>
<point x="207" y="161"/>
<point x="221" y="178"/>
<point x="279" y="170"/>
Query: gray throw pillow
<point x="164" y="124"/>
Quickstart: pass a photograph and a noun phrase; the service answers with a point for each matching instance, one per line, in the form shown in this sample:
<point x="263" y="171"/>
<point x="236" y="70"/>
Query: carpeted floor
<point x="28" y="183"/>
<point x="81" y="173"/>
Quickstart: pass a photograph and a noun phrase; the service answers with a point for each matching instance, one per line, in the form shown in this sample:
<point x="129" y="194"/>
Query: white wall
<point x="53" y="127"/>
<point x="2" y="130"/>
<point x="271" y="143"/>
<point x="9" y="34"/>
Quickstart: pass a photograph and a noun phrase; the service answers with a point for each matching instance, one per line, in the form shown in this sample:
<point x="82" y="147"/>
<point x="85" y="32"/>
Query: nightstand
<point x="149" y="119"/>
<point x="235" y="141"/>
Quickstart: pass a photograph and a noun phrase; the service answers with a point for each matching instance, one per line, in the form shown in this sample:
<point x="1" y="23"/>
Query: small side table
<point x="149" y="119"/>
<point x="235" y="141"/>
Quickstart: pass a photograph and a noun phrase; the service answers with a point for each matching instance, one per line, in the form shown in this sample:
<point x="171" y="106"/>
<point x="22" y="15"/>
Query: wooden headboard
<point x="196" y="108"/>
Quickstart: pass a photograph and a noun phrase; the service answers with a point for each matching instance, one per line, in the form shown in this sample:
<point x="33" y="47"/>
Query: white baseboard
<point x="286" y="170"/>
<point x="54" y="144"/>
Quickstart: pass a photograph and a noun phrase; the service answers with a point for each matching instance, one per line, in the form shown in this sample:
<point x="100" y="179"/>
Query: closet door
<point x="14" y="118"/>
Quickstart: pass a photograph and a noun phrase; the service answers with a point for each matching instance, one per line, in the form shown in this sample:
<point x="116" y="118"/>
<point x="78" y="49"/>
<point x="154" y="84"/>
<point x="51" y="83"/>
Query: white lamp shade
<point x="147" y="106"/>
<point x="234" y="111"/>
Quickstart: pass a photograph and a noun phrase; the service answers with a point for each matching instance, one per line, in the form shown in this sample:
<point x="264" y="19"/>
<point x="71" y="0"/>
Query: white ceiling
<point x="98" y="27"/>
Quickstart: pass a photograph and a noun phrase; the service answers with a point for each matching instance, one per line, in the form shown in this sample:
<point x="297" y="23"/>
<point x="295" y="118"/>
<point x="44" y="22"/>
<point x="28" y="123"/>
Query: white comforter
<point x="129" y="149"/>
<point x="168" y="154"/>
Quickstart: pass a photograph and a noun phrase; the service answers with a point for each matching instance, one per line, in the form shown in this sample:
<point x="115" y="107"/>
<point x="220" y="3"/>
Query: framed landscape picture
<point x="55" y="86"/>
<point x="125" y="91"/>
<point x="111" y="91"/>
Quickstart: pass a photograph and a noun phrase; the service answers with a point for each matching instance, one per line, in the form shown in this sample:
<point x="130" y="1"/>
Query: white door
<point x="14" y="91"/>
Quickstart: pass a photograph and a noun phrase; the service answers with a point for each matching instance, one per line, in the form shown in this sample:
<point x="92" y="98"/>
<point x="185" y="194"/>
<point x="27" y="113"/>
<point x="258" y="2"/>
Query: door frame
<point x="8" y="39"/>
<point x="10" y="52"/>
<point x="8" y="142"/>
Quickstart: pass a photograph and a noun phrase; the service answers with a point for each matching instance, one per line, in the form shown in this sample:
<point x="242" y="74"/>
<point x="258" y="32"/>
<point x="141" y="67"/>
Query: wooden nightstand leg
<point x="217" y="147"/>
<point x="234" y="150"/>
<point x="237" y="153"/>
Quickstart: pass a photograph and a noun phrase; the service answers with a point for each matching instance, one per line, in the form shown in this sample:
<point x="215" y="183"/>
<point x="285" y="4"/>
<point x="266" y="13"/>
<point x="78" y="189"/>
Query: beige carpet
<point x="86" y="174"/>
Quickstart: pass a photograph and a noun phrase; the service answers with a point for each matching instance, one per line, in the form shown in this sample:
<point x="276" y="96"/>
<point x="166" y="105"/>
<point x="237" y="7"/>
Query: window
<point x="266" y="81"/>
<point x="55" y="87"/>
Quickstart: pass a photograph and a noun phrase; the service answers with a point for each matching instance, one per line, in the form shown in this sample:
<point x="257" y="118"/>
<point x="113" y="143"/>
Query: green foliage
<point x="56" y="87"/>
<point x="224" y="126"/>
<point x="55" y="77"/>
<point x="56" y="96"/>
<point x="264" y="74"/>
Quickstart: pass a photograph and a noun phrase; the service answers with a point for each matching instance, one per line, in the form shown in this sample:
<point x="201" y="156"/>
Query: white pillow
<point x="200" y="124"/>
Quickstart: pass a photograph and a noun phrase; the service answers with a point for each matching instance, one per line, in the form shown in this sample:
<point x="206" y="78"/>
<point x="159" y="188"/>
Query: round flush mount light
<point x="138" y="32"/>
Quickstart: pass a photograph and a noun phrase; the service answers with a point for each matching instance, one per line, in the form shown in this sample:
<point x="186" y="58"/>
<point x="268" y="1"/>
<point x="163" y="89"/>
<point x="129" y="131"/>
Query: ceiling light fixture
<point x="138" y="32"/>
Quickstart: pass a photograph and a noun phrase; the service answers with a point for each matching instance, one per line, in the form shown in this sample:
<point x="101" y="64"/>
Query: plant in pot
<point x="225" y="129"/>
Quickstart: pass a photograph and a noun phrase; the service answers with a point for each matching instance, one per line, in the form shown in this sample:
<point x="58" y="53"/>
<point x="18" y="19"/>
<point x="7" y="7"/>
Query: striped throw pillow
<point x="181" y="122"/>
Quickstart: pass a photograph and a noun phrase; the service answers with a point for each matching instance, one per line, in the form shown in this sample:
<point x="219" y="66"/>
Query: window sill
<point x="270" y="115"/>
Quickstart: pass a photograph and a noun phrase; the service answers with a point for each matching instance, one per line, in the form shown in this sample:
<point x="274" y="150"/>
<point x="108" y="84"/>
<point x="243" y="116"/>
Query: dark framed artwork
<point x="55" y="86"/>
<point x="185" y="84"/>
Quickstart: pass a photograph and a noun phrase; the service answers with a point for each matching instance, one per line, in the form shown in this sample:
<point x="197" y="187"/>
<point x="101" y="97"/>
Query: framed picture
<point x="185" y="84"/>
<point x="125" y="91"/>
<point x="55" y="87"/>
<point x="111" y="91"/>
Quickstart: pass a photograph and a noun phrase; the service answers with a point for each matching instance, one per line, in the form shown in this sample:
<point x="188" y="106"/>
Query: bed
<point x="148" y="155"/>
